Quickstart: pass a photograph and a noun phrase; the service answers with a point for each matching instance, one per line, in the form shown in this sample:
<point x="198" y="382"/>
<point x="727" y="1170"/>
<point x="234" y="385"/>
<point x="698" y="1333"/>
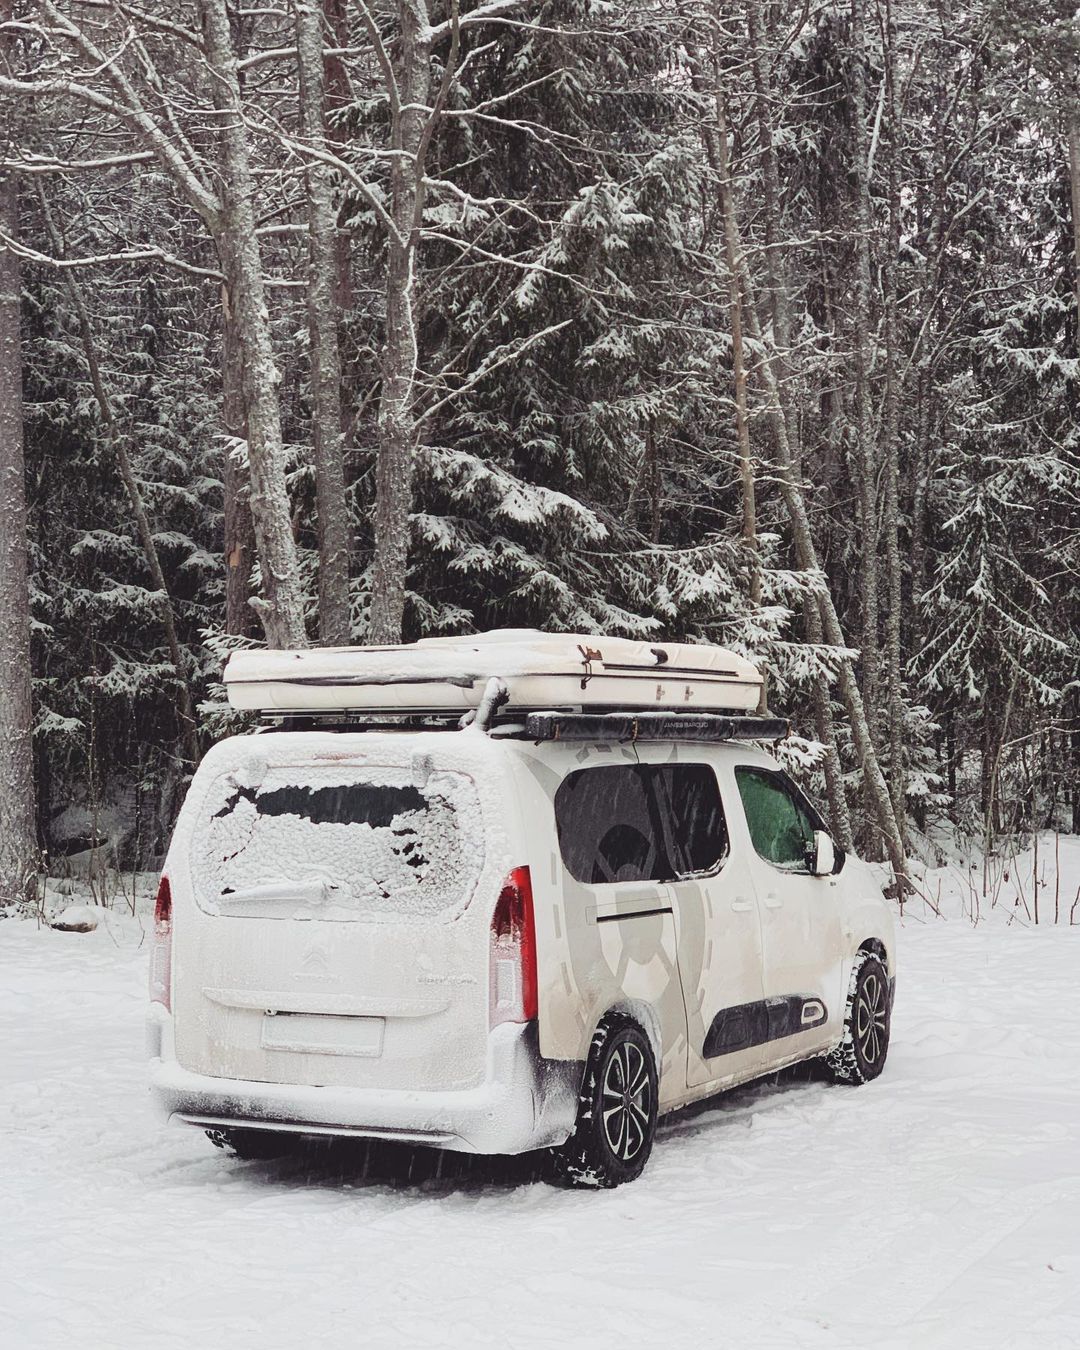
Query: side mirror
<point x="824" y="859"/>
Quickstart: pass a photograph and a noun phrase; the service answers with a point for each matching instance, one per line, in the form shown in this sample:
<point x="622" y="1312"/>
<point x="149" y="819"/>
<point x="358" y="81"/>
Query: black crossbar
<point x="652" y="726"/>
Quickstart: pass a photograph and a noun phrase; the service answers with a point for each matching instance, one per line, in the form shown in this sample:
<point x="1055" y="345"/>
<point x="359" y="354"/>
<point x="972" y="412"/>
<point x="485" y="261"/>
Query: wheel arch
<point x="875" y="947"/>
<point x="644" y="1015"/>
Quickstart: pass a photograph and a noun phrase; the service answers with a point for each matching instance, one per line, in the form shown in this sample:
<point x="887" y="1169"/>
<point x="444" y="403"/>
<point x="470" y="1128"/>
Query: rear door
<point x="334" y="926"/>
<point x="657" y="914"/>
<point x="800" y="914"/>
<point x="720" y="948"/>
<point x="617" y="905"/>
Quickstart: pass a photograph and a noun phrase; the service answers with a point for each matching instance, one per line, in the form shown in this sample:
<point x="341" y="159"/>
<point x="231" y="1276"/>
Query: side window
<point x="608" y="828"/>
<point x="690" y="803"/>
<point x="640" y="822"/>
<point x="780" y="826"/>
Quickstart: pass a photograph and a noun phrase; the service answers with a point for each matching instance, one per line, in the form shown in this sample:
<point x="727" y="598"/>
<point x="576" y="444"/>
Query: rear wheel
<point x="254" y="1144"/>
<point x="616" y="1120"/>
<point x="860" y="1056"/>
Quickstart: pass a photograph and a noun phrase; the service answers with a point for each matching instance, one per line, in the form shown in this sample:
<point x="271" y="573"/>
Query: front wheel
<point x="616" y="1120"/>
<point x="860" y="1056"/>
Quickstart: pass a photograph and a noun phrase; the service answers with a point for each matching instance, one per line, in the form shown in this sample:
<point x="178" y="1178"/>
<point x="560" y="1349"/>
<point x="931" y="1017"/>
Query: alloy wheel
<point x="870" y="1015"/>
<point x="627" y="1101"/>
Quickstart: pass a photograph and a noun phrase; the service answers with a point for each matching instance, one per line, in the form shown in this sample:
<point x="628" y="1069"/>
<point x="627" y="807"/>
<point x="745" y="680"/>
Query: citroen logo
<point x="315" y="962"/>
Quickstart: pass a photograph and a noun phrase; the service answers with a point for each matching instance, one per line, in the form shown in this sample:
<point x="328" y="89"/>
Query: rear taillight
<point x="161" y="956"/>
<point x="513" y="952"/>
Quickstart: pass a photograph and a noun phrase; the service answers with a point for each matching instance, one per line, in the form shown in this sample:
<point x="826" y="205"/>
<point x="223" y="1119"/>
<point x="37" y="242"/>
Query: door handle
<point x="773" y="902"/>
<point x="741" y="905"/>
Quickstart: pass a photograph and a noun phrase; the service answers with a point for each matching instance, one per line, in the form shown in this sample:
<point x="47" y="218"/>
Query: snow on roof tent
<point x="540" y="671"/>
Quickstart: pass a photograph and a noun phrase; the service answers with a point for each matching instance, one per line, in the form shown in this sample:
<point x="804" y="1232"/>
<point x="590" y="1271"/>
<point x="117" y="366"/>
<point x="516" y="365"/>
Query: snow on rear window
<point x="337" y="842"/>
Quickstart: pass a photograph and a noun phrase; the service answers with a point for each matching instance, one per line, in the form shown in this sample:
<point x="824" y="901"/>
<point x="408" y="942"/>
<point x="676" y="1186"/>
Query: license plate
<point x="323" y="1034"/>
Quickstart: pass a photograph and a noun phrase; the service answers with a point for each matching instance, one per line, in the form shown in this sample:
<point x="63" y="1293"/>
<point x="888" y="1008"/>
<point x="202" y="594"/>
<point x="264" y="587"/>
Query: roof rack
<point x="618" y="726"/>
<point x="652" y="726"/>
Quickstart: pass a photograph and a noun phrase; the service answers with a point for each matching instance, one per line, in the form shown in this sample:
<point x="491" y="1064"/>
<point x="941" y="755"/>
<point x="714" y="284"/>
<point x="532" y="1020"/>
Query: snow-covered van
<point x="512" y="892"/>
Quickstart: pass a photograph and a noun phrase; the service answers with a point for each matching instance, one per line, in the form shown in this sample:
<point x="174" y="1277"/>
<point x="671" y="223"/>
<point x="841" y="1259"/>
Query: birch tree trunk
<point x="18" y="841"/>
<point x="281" y="607"/>
<point x="322" y="284"/>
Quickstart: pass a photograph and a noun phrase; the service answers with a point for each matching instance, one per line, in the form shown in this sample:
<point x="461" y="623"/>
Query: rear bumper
<point x="523" y="1103"/>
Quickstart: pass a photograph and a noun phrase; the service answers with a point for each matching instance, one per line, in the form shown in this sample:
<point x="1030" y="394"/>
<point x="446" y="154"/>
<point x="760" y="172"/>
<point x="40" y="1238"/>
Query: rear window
<point x="640" y="822"/>
<point x="337" y="842"/>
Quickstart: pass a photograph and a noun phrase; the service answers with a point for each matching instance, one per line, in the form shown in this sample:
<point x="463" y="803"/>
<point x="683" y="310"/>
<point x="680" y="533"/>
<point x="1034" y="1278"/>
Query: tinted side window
<point x="690" y="800"/>
<point x="640" y="822"/>
<point x="780" y="827"/>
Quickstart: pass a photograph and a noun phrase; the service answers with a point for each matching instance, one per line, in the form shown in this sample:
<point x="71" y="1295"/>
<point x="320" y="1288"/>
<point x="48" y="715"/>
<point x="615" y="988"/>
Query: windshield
<point x="338" y="842"/>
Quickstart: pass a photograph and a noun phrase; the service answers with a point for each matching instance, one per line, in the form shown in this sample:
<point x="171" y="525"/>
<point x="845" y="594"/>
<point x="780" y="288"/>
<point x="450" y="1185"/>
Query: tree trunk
<point x="1074" y="184"/>
<point x="653" y="484"/>
<point x="239" y="531"/>
<point x="894" y="704"/>
<point x="917" y="483"/>
<point x="793" y="494"/>
<point x="775" y="263"/>
<point x="864" y="415"/>
<point x="338" y="96"/>
<point x="18" y="841"/>
<point x="839" y="812"/>
<point x="330" y="504"/>
<point x="742" y="423"/>
<point x="396" y="426"/>
<point x="932" y="250"/>
<point x="281" y="607"/>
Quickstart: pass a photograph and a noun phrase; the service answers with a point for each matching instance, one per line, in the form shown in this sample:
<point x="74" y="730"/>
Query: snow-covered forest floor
<point x="939" y="1206"/>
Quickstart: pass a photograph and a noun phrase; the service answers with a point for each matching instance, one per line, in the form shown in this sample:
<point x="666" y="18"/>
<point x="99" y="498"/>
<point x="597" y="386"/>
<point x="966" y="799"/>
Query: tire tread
<point x="583" y="1160"/>
<point x="843" y="1063"/>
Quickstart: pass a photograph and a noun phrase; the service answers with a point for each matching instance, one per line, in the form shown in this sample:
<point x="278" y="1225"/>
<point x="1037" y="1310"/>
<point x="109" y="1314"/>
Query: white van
<point x="538" y="930"/>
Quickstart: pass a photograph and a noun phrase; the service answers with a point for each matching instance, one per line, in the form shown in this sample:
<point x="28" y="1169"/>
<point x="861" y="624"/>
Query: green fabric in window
<point x="779" y="829"/>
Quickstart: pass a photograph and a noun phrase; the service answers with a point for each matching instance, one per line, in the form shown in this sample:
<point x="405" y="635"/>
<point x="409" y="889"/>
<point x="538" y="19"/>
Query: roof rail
<point x="652" y="726"/>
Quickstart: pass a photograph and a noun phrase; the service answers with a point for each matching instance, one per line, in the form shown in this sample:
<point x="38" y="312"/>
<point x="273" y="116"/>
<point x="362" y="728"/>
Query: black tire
<point x="616" y="1120"/>
<point x="255" y="1144"/>
<point x="861" y="1055"/>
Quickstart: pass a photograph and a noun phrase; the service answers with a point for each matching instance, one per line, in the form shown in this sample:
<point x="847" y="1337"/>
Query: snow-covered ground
<point x="939" y="1206"/>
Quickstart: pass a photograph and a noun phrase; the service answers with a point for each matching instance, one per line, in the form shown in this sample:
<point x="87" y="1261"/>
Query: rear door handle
<point x="741" y="905"/>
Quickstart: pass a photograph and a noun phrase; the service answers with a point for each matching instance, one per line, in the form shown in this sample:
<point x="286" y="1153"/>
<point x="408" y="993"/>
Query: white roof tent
<point x="552" y="686"/>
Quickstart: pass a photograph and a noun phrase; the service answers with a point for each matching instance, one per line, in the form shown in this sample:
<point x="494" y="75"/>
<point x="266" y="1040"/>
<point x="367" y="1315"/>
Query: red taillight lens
<point x="513" y="952"/>
<point x="161" y="955"/>
<point x="163" y="903"/>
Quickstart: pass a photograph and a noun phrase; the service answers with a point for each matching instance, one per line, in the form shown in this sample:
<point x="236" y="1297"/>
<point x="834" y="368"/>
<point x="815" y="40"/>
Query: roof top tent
<point x="544" y="678"/>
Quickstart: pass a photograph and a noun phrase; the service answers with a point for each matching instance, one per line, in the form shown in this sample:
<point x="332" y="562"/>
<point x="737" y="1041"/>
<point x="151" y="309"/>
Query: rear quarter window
<point x="640" y="822"/>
